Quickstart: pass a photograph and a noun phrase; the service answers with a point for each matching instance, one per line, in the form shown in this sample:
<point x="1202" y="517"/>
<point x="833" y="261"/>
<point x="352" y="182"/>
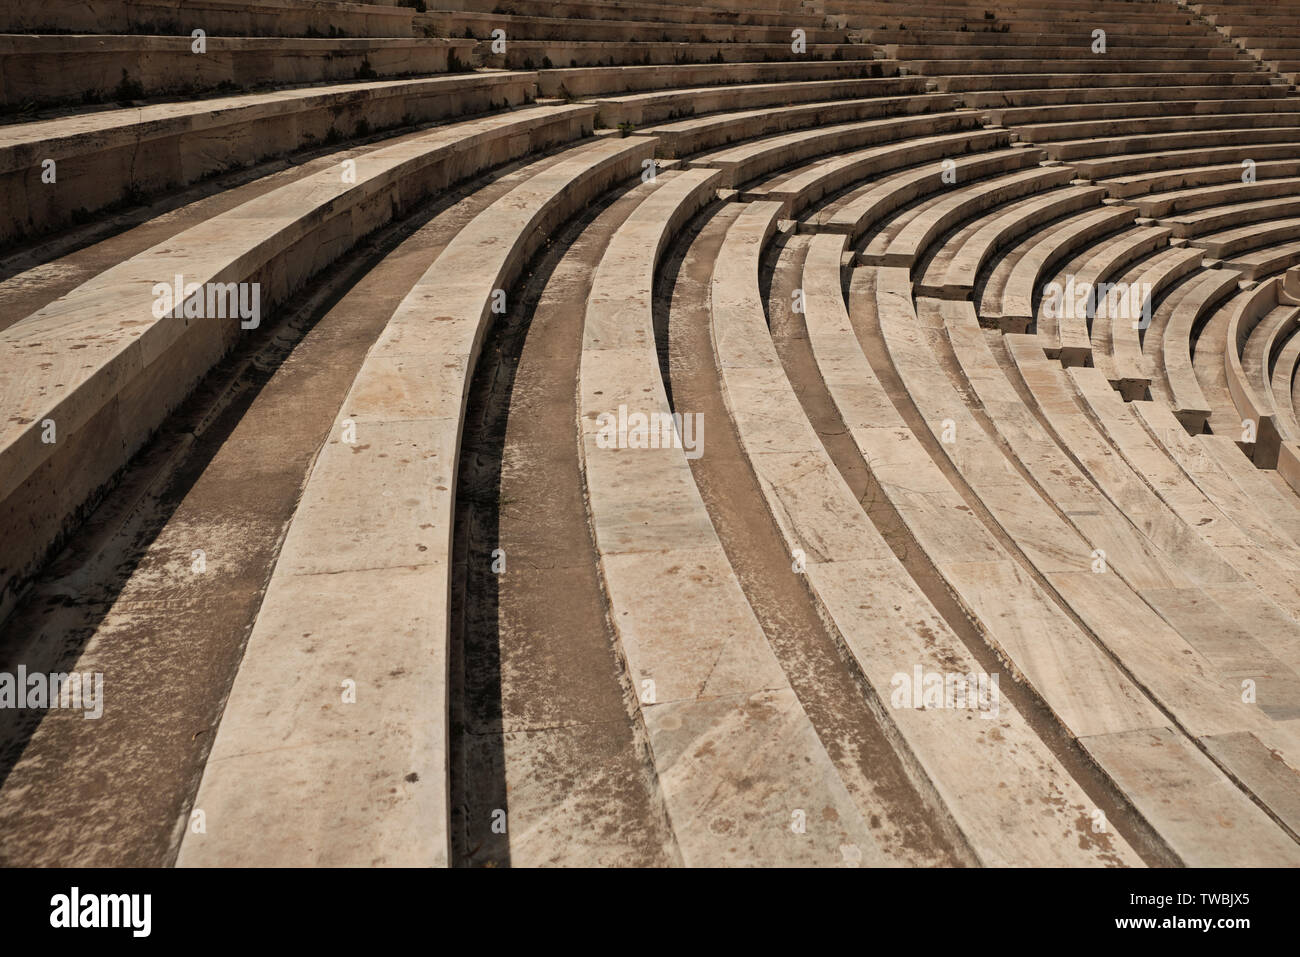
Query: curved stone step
<point x="1175" y="356"/>
<point x="808" y="185"/>
<point x="634" y="78"/>
<point x="1048" y="248"/>
<point x="911" y="243"/>
<point x="855" y="575"/>
<point x="1106" y="605"/>
<point x="100" y="157"/>
<point x="663" y="106"/>
<point x="265" y="18"/>
<point x="58" y="68"/>
<point x="870" y="204"/>
<point x="956" y="266"/>
<point x="746" y="161"/>
<point x="727" y="732"/>
<point x="691" y="136"/>
<point x="294" y="774"/>
<point x="1069" y="333"/>
<point x="105" y="363"/>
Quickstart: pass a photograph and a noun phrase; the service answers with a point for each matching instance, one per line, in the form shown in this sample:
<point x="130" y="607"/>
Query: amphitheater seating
<point x="1278" y="364"/>
<point x="690" y="136"/>
<point x="1267" y="33"/>
<point x="657" y="106"/>
<point x="620" y="369"/>
<point x="251" y="18"/>
<point x="610" y="33"/>
<point x="671" y="11"/>
<point x="742" y="163"/>
<point x="906" y="246"/>
<point x="913" y="357"/>
<point x="860" y="210"/>
<point x="953" y="269"/>
<point x="41" y="70"/>
<point x="1252" y="328"/>
<point x="865" y="211"/>
<point x="553" y="53"/>
<point x="133" y="367"/>
<point x="815" y="181"/>
<point x="1175" y="351"/>
<point x="1009" y="294"/>
<point x="672" y="78"/>
<point x="1063" y="328"/>
<point x="101" y="157"/>
<point x="410" y="394"/>
<point x="1121" y="335"/>
<point x="1128" y="486"/>
<point x="1240" y="490"/>
<point x="821" y="519"/>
